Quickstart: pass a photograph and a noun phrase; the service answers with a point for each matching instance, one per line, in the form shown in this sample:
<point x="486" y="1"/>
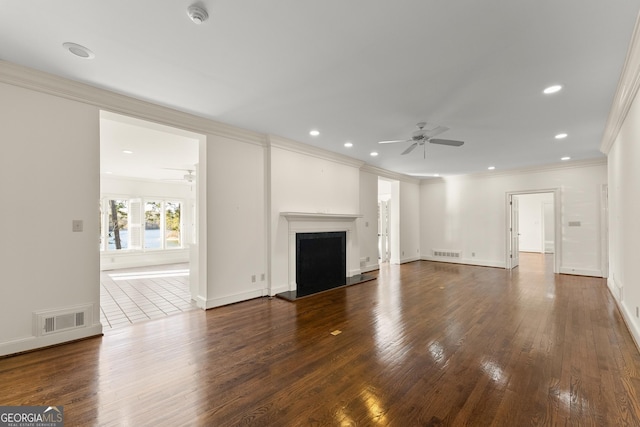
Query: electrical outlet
<point x="262" y="277"/>
<point x="637" y="312"/>
<point x="253" y="278"/>
<point x="368" y="259"/>
<point x="402" y="253"/>
<point x="473" y="254"/>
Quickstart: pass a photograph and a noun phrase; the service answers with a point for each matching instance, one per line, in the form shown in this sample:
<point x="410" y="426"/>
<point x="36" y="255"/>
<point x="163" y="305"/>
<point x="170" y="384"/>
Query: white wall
<point x="127" y="188"/>
<point x="532" y="221"/>
<point x="394" y="223"/>
<point x="236" y="228"/>
<point x="624" y="215"/>
<point x="409" y="201"/>
<point x="468" y="214"/>
<point x="304" y="179"/>
<point x="368" y="224"/>
<point x="49" y="175"/>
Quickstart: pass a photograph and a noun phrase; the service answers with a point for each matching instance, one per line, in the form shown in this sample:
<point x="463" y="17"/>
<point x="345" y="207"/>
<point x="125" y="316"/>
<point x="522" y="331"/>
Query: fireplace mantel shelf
<point x="298" y="216"/>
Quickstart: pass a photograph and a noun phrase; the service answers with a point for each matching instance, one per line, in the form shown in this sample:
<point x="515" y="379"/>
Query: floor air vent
<point x="446" y="254"/>
<point x="57" y="321"/>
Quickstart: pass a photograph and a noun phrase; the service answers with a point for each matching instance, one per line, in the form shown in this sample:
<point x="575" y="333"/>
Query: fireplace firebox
<point x="321" y="261"/>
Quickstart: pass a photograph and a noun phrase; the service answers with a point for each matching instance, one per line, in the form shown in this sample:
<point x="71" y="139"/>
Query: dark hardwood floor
<point x="426" y="344"/>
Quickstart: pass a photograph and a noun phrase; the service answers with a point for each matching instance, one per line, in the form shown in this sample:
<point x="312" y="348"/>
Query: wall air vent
<point x="446" y="253"/>
<point x="49" y="322"/>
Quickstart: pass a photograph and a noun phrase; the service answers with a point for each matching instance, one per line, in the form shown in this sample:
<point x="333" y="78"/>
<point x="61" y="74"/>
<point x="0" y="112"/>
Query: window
<point x="134" y="224"/>
<point x="153" y="225"/>
<point x="172" y="225"/>
<point x="118" y="221"/>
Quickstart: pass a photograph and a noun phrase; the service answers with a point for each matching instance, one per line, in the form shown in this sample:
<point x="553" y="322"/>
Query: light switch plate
<point x="77" y="225"/>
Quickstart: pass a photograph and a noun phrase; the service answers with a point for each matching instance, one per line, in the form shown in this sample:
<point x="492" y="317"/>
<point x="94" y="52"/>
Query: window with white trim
<point x="140" y="224"/>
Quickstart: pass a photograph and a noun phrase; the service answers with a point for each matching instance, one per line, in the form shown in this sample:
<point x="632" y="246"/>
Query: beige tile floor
<point x="135" y="295"/>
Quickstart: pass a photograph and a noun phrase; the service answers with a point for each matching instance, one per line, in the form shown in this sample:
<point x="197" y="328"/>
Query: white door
<point x="514" y="229"/>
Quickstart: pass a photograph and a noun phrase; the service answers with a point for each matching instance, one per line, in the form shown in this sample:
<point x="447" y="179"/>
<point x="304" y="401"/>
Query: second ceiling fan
<point x="422" y="136"/>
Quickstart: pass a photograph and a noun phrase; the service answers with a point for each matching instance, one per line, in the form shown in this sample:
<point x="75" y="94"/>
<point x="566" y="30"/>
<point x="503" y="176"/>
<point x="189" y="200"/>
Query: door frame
<point x="557" y="215"/>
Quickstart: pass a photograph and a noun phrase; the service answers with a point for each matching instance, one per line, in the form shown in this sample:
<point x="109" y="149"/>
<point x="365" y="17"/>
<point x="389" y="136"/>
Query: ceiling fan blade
<point x="411" y="148"/>
<point x="450" y="142"/>
<point x="394" y="141"/>
<point x="435" y="131"/>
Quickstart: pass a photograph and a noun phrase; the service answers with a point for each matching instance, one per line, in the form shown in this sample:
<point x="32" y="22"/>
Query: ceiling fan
<point x="189" y="177"/>
<point x="422" y="135"/>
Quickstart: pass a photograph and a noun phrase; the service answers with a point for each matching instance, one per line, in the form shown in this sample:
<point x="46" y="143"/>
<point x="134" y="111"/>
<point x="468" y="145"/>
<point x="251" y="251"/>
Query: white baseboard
<point x="580" y="271"/>
<point x="370" y="267"/>
<point x="201" y="302"/>
<point x="632" y="325"/>
<point x="466" y="261"/>
<point x="33" y="342"/>
<point x="117" y="260"/>
<point x="230" y="299"/>
<point x="278" y="289"/>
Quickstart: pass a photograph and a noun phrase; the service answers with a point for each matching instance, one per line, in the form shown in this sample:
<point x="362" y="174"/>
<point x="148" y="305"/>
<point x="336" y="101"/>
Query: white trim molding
<point x="34" y="342"/>
<point x="626" y="92"/>
<point x="310" y="150"/>
<point x="29" y="78"/>
<point x="616" y="290"/>
<point x="388" y="174"/>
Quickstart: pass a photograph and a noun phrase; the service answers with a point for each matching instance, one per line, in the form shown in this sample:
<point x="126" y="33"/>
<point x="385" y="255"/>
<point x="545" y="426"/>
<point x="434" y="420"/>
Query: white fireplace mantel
<point x="305" y="222"/>
<point x="309" y="216"/>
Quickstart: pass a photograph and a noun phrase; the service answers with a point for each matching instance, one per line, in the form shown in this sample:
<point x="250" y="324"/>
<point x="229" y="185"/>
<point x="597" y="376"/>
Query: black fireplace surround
<point x="321" y="261"/>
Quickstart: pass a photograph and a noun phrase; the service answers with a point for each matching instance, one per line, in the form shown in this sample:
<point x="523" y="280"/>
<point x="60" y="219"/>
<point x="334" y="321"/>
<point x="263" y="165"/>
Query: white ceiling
<point x="139" y="149"/>
<point x="358" y="70"/>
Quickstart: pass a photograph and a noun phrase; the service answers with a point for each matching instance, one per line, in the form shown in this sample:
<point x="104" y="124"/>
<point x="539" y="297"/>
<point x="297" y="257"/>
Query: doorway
<point x="533" y="226"/>
<point x="388" y="220"/>
<point x="149" y="196"/>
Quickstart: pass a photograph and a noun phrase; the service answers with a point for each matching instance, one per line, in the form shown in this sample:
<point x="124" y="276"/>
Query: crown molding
<point x="587" y="163"/>
<point x="309" y="150"/>
<point x="626" y="91"/>
<point x="388" y="174"/>
<point x="28" y="78"/>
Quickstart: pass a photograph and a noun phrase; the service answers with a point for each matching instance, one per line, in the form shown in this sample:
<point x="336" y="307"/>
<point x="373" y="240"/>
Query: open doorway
<point x="148" y="218"/>
<point x="533" y="227"/>
<point x="388" y="217"/>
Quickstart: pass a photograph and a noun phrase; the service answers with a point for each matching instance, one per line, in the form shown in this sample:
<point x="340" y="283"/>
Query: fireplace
<point x="337" y="232"/>
<point x="321" y="261"/>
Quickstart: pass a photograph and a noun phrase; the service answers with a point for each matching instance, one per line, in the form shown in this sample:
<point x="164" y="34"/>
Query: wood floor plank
<point x="425" y="343"/>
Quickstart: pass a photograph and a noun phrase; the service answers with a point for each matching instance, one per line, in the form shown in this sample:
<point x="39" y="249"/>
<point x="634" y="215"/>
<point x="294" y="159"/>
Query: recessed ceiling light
<point x="552" y="89"/>
<point x="127" y="151"/>
<point x="374" y="153"/>
<point x="561" y="136"/>
<point x="314" y="133"/>
<point x="491" y="168"/>
<point x="348" y="144"/>
<point x="436" y="174"/>
<point x="108" y="172"/>
<point x="566" y="158"/>
<point x="79" y="50"/>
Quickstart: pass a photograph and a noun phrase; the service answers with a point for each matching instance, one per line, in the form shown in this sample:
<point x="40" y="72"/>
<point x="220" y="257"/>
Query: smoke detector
<point x="197" y="14"/>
